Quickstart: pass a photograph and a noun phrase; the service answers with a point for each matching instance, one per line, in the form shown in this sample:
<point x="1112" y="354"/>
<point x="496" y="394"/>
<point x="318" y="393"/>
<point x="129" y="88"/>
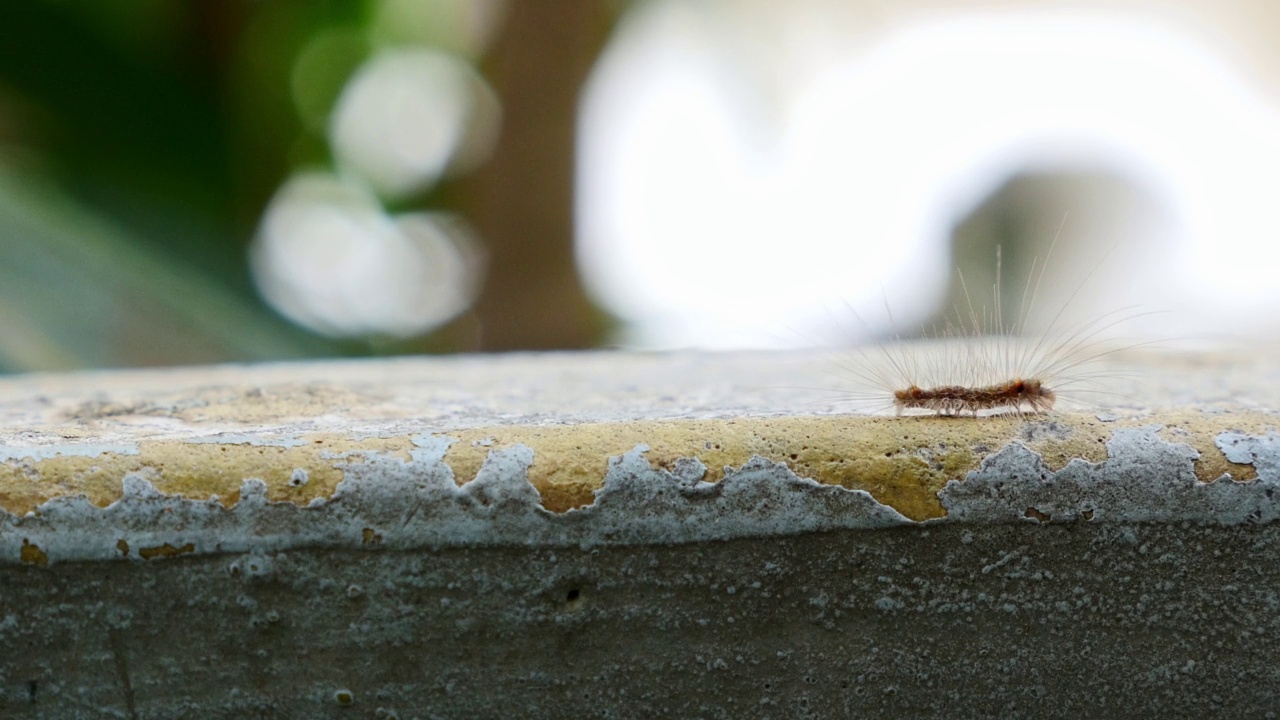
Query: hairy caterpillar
<point x="979" y="364"/>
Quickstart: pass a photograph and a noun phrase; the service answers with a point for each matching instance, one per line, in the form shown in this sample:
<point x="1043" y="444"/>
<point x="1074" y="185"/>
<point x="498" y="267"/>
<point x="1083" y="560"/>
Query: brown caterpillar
<point x="957" y="400"/>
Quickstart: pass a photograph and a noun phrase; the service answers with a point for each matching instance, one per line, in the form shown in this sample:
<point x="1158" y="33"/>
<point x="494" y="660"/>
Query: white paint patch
<point x="45" y="452"/>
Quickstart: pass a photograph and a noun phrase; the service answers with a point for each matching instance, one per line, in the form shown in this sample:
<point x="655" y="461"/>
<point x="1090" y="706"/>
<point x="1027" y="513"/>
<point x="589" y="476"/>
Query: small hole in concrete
<point x="573" y="595"/>
<point x="33" y="687"/>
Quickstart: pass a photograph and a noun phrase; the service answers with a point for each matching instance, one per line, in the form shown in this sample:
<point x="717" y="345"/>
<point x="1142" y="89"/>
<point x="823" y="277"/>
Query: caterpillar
<point x="979" y="365"/>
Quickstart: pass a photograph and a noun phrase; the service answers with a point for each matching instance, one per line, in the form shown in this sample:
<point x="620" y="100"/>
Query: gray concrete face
<point x="1012" y="620"/>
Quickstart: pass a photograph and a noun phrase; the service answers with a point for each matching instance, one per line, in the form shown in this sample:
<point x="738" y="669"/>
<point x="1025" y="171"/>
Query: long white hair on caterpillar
<point x="979" y="364"/>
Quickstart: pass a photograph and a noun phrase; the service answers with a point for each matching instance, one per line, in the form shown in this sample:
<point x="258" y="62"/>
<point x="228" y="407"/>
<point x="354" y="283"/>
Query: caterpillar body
<point x="955" y="399"/>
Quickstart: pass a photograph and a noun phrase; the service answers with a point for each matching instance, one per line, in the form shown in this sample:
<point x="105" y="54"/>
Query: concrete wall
<point x="629" y="536"/>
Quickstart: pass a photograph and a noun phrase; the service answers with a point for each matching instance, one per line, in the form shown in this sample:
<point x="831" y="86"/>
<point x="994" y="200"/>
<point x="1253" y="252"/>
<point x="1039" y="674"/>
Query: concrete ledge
<point x="634" y="535"/>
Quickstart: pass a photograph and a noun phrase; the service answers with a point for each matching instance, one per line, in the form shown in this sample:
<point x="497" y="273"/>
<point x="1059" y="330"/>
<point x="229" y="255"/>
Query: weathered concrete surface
<point x="629" y="536"/>
<point x="1009" y="620"/>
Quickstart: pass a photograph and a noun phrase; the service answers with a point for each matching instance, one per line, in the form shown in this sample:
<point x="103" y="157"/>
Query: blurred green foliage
<point x="139" y="141"/>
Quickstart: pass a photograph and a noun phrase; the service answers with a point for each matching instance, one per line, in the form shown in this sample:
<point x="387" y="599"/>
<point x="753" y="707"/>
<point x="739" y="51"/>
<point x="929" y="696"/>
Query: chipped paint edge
<point x="398" y="504"/>
<point x="389" y="502"/>
<point x="1145" y="478"/>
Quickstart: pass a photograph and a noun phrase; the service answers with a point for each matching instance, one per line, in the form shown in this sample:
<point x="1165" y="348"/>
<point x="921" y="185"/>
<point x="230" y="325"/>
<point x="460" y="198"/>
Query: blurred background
<point x="238" y="180"/>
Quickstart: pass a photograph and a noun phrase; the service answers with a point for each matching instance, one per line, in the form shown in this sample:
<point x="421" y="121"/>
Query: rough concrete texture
<point x="629" y="536"/>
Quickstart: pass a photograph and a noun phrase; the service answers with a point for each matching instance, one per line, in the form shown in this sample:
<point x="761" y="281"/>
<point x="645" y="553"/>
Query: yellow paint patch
<point x="195" y="471"/>
<point x="165" y="550"/>
<point x="1200" y="431"/>
<point x="32" y="554"/>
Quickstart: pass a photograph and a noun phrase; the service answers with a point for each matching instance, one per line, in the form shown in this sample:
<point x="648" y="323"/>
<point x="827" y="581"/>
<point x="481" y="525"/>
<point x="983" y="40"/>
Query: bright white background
<point x="748" y="170"/>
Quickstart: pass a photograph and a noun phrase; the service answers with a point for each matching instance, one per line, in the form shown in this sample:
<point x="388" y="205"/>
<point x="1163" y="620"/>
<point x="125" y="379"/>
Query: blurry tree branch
<point x="522" y="200"/>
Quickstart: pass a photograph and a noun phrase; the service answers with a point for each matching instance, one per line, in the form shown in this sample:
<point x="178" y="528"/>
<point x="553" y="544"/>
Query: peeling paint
<point x="387" y="501"/>
<point x="902" y="462"/>
<point x="184" y="469"/>
<point x="1144" y="479"/>
<point x="397" y="504"/>
<point x="355" y="467"/>
<point x="1260" y="452"/>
